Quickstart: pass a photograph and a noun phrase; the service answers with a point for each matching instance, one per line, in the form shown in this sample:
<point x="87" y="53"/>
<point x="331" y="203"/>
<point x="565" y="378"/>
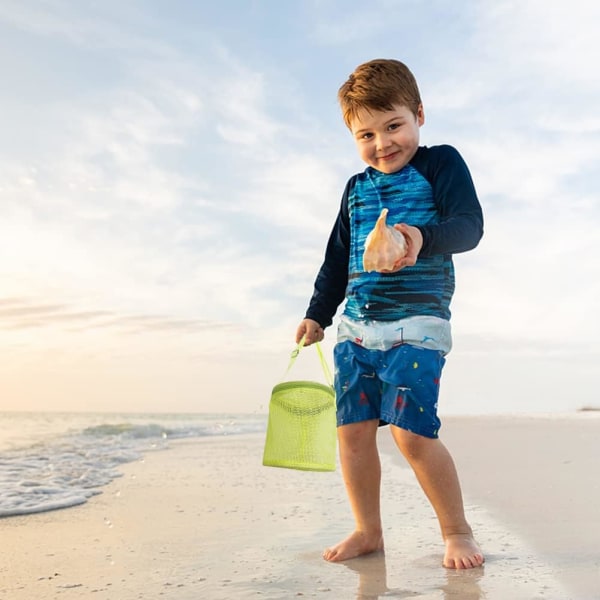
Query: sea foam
<point x="49" y="461"/>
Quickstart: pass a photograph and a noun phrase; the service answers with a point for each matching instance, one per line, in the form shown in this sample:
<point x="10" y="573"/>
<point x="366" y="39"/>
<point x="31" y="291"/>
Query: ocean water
<point x="58" y="460"/>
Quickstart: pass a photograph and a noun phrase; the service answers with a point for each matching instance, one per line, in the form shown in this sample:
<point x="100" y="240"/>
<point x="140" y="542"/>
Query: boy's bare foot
<point x="462" y="552"/>
<point x="356" y="544"/>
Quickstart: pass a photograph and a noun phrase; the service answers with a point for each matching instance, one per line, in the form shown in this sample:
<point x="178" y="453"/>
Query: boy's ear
<point x="420" y="115"/>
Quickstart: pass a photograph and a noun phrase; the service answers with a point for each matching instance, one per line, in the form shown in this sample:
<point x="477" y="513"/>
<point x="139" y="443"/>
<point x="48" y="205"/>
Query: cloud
<point x="23" y="314"/>
<point x="109" y="26"/>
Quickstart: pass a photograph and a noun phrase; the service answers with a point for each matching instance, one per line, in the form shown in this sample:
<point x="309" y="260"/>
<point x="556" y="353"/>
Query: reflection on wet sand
<point x="372" y="581"/>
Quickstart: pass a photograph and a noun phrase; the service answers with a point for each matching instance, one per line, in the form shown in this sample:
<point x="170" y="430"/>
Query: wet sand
<point x="204" y="519"/>
<point x="540" y="477"/>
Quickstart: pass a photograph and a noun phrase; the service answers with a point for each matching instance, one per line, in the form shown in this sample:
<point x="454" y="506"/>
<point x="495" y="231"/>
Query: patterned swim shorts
<point x="399" y="386"/>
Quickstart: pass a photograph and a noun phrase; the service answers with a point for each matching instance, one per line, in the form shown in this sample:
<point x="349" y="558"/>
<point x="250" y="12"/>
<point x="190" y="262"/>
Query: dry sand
<point x="204" y="520"/>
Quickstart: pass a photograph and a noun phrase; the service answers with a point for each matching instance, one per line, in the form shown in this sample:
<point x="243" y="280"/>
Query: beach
<point x="203" y="519"/>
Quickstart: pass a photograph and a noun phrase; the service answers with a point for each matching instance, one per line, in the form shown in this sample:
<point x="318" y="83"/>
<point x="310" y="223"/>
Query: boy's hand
<point x="313" y="331"/>
<point x="414" y="243"/>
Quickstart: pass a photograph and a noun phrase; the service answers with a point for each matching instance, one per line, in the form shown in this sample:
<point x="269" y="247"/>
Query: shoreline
<point x="205" y="519"/>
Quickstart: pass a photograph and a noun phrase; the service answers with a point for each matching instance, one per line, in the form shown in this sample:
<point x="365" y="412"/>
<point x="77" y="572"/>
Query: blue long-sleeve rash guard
<point x="435" y="193"/>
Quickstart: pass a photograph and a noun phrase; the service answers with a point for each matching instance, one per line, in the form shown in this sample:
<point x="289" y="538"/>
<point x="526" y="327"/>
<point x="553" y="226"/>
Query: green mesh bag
<point x="301" y="432"/>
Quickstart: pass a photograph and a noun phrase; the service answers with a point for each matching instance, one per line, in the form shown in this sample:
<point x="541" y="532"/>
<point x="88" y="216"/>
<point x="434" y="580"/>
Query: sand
<point x="205" y="520"/>
<point x="539" y="476"/>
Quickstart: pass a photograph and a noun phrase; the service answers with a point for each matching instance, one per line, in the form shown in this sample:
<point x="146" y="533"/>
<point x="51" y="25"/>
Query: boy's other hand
<point x="312" y="330"/>
<point x="414" y="243"/>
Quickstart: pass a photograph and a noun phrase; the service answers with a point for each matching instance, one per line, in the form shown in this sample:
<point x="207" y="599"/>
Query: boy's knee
<point x="358" y="434"/>
<point x="412" y="445"/>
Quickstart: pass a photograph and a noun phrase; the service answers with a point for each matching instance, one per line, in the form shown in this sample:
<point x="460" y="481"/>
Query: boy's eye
<point x="393" y="126"/>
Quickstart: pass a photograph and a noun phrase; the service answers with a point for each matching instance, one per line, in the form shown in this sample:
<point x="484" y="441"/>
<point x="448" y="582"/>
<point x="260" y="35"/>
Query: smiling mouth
<point x="389" y="156"/>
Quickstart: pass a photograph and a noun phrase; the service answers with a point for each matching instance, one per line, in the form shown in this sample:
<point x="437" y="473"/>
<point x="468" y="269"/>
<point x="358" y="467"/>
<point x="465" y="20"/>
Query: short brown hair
<point x="378" y="85"/>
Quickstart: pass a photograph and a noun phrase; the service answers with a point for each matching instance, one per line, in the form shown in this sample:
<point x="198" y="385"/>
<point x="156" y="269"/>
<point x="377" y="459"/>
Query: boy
<point x="395" y="329"/>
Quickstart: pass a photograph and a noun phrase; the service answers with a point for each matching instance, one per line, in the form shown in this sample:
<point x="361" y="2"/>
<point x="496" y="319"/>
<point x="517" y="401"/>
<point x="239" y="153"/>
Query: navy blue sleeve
<point x="332" y="279"/>
<point x="461" y="218"/>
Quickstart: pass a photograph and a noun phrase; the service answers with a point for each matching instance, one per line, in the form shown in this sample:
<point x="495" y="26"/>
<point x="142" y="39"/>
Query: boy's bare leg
<point x="435" y="471"/>
<point x="362" y="475"/>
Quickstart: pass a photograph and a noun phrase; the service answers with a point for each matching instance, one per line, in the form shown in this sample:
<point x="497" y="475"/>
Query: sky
<point x="170" y="172"/>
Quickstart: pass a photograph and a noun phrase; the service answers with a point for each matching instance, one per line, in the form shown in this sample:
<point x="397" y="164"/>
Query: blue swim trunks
<point x="398" y="386"/>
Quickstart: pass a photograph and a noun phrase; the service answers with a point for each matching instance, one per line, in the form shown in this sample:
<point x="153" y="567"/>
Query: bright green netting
<point x="301" y="432"/>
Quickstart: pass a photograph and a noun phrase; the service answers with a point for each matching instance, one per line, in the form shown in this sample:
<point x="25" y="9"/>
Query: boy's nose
<point x="383" y="142"/>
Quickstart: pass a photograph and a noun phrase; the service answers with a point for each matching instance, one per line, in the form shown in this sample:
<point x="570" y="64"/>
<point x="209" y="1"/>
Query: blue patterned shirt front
<point x="423" y="289"/>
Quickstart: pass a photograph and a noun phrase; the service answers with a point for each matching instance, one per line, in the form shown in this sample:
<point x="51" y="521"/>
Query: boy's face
<point x="387" y="140"/>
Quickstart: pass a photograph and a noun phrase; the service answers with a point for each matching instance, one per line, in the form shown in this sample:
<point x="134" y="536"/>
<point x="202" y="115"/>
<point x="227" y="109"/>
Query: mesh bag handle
<point x="324" y="365"/>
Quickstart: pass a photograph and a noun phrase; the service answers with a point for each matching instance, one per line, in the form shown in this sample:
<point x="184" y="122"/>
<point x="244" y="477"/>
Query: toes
<point x="329" y="554"/>
<point x="465" y="562"/>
